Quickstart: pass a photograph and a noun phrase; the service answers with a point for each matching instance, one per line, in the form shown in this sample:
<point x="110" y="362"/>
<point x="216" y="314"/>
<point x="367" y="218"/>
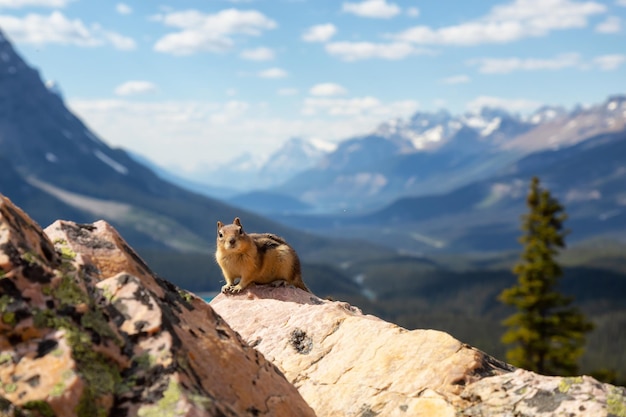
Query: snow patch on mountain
<point x="110" y="162"/>
<point x="54" y="88"/>
<point x="491" y="127"/>
<point x="323" y="145"/>
<point x="501" y="190"/>
<point x="97" y="207"/>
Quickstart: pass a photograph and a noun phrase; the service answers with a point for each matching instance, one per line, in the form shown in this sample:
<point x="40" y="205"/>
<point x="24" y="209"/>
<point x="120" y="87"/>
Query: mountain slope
<point x="434" y="153"/>
<point x="588" y="178"/>
<point x="253" y="172"/>
<point x="55" y="167"/>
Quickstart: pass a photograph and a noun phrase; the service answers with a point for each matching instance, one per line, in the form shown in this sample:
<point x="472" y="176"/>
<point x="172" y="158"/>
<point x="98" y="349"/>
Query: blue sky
<point x="190" y="84"/>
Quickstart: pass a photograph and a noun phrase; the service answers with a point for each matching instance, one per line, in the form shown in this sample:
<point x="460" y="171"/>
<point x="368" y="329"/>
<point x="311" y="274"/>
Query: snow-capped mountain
<point x="432" y="153"/>
<point x="249" y="171"/>
<point x="568" y="128"/>
<point x="295" y="156"/>
<point x="483" y="215"/>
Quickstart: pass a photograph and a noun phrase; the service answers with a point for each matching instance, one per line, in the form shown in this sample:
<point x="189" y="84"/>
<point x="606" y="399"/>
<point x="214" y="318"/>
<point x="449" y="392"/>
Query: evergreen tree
<point x="548" y="334"/>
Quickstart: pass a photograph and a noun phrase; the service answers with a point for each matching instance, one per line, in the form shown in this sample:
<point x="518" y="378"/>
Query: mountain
<point x="252" y="172"/>
<point x="588" y="179"/>
<point x="296" y="155"/>
<point x="435" y="153"/>
<point x="428" y="153"/>
<point x="564" y="129"/>
<point x="268" y="203"/>
<point x="219" y="193"/>
<point x="55" y="167"/>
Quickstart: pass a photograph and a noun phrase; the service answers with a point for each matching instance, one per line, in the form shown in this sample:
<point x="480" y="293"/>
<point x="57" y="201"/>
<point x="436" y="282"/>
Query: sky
<point x="192" y="84"/>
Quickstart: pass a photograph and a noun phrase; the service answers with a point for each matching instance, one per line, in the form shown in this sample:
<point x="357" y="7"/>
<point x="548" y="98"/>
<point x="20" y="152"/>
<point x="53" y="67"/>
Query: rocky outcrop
<point x="86" y="329"/>
<point x="345" y="363"/>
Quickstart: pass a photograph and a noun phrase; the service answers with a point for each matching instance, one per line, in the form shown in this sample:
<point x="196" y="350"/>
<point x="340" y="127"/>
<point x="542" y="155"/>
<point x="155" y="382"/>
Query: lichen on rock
<point x="87" y="330"/>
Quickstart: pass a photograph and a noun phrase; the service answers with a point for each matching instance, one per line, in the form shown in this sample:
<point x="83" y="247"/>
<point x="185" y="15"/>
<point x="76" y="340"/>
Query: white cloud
<point x="609" y="62"/>
<point x="56" y="28"/>
<point x="507" y="23"/>
<point x="120" y="42"/>
<point x="16" y="4"/>
<point x="273" y="73"/>
<point x="327" y="90"/>
<point x="123" y="8"/>
<point x="456" y="79"/>
<point x="379" y="9"/>
<point x="358" y="106"/>
<point x="413" y="11"/>
<point x="201" y="32"/>
<point x="131" y="88"/>
<point x="571" y="60"/>
<point x="508" y="65"/>
<point x="257" y="54"/>
<point x="511" y="105"/>
<point x="287" y="92"/>
<point x="621" y="3"/>
<point x="355" y="51"/>
<point x="319" y="33"/>
<point x="612" y="24"/>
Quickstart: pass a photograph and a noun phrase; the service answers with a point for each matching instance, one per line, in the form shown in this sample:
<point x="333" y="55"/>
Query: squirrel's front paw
<point x="235" y="289"/>
<point x="232" y="289"/>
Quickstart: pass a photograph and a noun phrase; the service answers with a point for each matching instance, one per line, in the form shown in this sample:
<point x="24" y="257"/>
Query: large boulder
<point x="86" y="329"/>
<point x="345" y="363"/>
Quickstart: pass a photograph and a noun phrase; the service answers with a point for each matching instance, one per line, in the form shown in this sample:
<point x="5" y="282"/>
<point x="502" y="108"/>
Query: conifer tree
<point x="548" y="333"/>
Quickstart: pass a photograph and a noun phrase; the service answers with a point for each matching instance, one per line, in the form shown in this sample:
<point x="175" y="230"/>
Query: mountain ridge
<point x="428" y="153"/>
<point x="483" y="215"/>
<point x="57" y="168"/>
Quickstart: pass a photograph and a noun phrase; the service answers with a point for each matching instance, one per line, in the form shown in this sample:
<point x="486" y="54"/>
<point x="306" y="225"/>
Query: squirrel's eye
<point x="241" y="231"/>
<point x="220" y="234"/>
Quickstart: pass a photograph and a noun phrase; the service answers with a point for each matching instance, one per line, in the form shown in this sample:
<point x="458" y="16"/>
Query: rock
<point x="86" y="329"/>
<point x="345" y="363"/>
<point x="524" y="393"/>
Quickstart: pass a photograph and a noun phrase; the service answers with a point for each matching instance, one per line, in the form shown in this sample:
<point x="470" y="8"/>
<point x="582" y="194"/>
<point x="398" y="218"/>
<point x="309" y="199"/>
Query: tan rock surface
<point x="86" y="329"/>
<point x="345" y="363"/>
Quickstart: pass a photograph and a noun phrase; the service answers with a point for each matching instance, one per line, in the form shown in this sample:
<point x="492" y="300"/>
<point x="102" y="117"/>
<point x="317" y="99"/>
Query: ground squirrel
<point x="256" y="257"/>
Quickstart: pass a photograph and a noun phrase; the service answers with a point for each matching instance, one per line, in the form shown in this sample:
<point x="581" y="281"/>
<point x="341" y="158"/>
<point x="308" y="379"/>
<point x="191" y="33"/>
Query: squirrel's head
<point x="228" y="235"/>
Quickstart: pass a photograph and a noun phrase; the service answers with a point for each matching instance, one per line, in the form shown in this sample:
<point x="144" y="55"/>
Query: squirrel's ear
<point x="237" y="221"/>
<point x="219" y="225"/>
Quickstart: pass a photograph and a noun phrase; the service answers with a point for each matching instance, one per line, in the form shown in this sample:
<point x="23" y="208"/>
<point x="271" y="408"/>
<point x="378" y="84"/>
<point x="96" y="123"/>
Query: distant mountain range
<point x="589" y="178"/>
<point x="251" y="172"/>
<point x="430" y="153"/>
<point x="436" y="153"/>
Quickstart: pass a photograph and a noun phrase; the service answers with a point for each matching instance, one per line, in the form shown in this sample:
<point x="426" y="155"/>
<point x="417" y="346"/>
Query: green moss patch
<point x="616" y="402"/>
<point x="42" y="408"/>
<point x="101" y="375"/>
<point x="166" y="406"/>
<point x="566" y="383"/>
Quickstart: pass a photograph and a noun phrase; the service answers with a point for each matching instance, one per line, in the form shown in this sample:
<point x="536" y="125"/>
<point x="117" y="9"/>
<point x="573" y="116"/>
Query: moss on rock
<point x="616" y="402"/>
<point x="42" y="408"/>
<point x="167" y="405"/>
<point x="567" y="382"/>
